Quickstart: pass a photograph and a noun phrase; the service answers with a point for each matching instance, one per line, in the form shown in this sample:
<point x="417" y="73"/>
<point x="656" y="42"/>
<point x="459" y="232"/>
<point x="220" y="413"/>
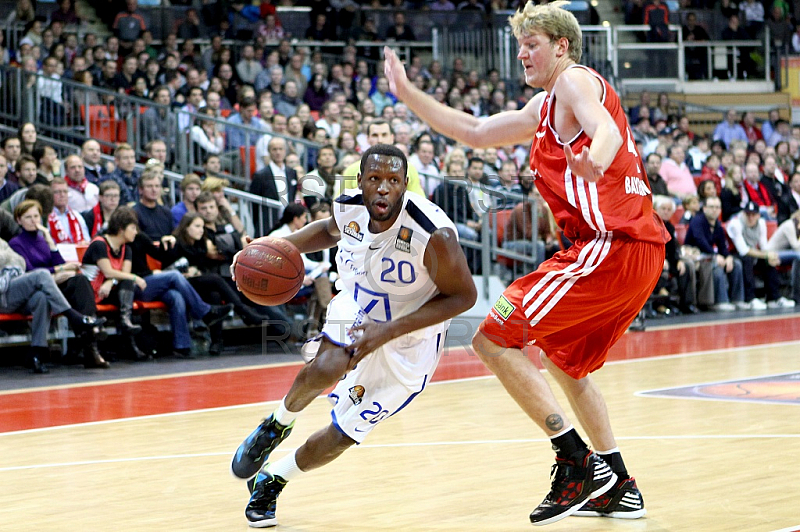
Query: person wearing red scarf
<point x="65" y="224"/>
<point x="82" y="194"/>
<point x="97" y="217"/>
<point x="757" y="192"/>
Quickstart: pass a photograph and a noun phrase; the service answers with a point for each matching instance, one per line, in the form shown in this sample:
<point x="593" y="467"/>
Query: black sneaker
<point x="575" y="481"/>
<point x="217" y="314"/>
<point x="254" y="451"/>
<point x="260" y="511"/>
<point x="623" y="501"/>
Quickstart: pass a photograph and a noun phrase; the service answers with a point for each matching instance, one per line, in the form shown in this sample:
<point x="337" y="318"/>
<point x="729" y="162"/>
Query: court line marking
<point x="466" y="379"/>
<point x="732" y="321"/>
<point x="685" y="437"/>
<point x="150" y="377"/>
<point x="661" y="393"/>
<point x="790" y="529"/>
<point x="463" y="348"/>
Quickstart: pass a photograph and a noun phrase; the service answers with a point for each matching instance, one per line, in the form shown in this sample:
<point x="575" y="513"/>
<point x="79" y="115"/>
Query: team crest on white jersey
<point x="357" y="394"/>
<point x="403" y="241"/>
<point x="354" y="231"/>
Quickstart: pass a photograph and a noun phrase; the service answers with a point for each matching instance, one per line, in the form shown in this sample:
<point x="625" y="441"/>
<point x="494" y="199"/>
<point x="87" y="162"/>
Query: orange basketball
<point x="269" y="271"/>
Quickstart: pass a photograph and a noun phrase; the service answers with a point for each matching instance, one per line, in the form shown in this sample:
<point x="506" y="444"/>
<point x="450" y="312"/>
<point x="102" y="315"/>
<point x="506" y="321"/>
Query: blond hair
<point x="212" y="184"/>
<point x="551" y="20"/>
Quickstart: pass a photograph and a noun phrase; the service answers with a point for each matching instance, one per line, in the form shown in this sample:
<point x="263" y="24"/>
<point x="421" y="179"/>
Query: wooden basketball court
<point x="708" y="419"/>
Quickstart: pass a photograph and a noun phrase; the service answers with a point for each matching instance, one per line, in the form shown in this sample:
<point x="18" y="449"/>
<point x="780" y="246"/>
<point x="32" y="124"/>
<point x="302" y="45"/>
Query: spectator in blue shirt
<point x="246" y="116"/>
<point x="730" y="129"/>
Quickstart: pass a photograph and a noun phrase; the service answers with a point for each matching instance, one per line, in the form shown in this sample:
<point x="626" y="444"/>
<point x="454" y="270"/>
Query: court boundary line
<point x="731" y="321"/>
<point x="463" y="348"/>
<point x="145" y="378"/>
<point x="465" y="379"/>
<point x="514" y="441"/>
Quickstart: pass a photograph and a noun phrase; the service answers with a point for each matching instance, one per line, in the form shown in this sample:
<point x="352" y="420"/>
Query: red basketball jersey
<point x="620" y="202"/>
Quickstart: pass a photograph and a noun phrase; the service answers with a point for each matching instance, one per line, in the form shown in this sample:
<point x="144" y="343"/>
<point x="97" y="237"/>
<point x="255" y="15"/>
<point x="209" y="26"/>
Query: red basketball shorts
<point x="576" y="305"/>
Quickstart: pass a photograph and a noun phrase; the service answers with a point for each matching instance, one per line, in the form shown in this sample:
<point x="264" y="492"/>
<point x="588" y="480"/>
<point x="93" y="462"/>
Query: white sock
<point x="283" y="415"/>
<point x="612" y="451"/>
<point x="286" y="467"/>
<point x="558" y="434"/>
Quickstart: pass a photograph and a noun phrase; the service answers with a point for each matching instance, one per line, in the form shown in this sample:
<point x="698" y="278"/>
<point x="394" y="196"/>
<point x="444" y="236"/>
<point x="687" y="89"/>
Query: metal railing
<point x="680" y="61"/>
<point x="111" y="118"/>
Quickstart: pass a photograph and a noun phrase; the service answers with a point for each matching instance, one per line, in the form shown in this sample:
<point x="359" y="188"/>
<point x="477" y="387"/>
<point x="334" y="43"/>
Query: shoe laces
<point x="560" y="472"/>
<point x="266" y="433"/>
<point x="265" y="493"/>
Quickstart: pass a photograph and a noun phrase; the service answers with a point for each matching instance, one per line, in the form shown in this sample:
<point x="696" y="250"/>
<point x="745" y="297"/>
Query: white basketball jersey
<point x="384" y="272"/>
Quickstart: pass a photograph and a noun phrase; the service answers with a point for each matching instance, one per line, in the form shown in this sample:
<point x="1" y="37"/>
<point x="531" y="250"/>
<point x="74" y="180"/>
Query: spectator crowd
<point x="307" y="118"/>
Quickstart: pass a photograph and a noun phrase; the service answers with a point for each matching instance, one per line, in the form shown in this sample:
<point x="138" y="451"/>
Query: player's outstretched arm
<point x="316" y="236"/>
<point x="509" y="127"/>
<point x="448" y="268"/>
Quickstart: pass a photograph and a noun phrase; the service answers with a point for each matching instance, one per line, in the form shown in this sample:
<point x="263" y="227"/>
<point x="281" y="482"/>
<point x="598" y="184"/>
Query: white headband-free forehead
<point x="395" y="163"/>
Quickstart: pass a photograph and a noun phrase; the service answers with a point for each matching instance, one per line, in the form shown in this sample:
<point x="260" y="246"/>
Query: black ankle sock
<point x="568" y="444"/>
<point x="75" y="319"/>
<point x="614" y="460"/>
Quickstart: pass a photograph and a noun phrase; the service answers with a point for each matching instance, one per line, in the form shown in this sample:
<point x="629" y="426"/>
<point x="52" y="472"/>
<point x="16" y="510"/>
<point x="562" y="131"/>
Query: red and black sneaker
<point x="623" y="501"/>
<point x="575" y="481"/>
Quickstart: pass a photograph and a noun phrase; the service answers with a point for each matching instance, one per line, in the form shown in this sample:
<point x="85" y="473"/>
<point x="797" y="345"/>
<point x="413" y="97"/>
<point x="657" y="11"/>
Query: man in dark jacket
<point x="276" y="181"/>
<point x="706" y="234"/>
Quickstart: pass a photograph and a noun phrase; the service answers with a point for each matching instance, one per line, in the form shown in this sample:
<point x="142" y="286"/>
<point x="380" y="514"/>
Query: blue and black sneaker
<point x="254" y="451"/>
<point x="260" y="511"/>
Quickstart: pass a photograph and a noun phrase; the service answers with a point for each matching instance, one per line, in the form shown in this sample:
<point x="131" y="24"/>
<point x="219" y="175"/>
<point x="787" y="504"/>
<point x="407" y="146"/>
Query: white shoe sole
<point x="266" y="523"/>
<point x="615" y="515"/>
<point x="599" y="491"/>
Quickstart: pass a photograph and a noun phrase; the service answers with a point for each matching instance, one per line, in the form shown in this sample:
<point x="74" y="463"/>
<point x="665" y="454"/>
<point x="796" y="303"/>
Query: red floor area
<point x="66" y="406"/>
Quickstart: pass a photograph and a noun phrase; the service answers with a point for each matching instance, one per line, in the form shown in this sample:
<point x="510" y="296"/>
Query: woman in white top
<point x="205" y="137"/>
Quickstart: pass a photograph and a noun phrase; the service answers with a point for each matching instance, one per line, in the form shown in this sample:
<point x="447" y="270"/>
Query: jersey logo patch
<point x="357" y="394"/>
<point x="354" y="231"/>
<point x="403" y="241"/>
<point x="504" y="307"/>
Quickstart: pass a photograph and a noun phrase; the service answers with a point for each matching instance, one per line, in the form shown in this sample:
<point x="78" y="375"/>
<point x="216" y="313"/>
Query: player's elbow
<point x="614" y="135"/>
<point x="467" y="298"/>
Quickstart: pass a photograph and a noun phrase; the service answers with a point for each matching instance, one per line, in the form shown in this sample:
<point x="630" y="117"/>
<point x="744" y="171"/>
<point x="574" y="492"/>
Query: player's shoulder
<point x="351" y="197"/>
<point x="425" y="214"/>
<point x="578" y="78"/>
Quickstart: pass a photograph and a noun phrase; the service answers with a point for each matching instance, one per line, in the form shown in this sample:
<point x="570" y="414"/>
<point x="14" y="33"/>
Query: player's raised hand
<point x="582" y="165"/>
<point x="394" y="71"/>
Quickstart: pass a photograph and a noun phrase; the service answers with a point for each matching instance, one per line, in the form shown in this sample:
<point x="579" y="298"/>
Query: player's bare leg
<point x="323" y="372"/>
<point x="587" y="403"/>
<point x="321" y="448"/>
<point x="579" y="475"/>
<point x="624" y="500"/>
<point x="524" y="383"/>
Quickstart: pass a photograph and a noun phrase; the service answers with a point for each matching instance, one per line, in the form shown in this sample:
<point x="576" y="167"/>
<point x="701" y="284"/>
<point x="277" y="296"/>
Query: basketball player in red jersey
<point x="579" y="303"/>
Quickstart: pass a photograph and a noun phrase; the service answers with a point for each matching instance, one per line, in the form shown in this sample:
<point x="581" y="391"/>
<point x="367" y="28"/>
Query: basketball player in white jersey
<point x="403" y="277"/>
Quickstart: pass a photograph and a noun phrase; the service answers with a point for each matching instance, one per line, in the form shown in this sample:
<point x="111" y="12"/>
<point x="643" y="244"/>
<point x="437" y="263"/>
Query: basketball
<point x="269" y="271"/>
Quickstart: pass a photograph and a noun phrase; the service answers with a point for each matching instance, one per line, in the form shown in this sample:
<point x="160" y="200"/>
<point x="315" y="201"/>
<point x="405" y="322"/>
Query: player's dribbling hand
<point x="582" y="165"/>
<point x="394" y="70"/>
<point x="370" y="337"/>
<point x="235" y="258"/>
